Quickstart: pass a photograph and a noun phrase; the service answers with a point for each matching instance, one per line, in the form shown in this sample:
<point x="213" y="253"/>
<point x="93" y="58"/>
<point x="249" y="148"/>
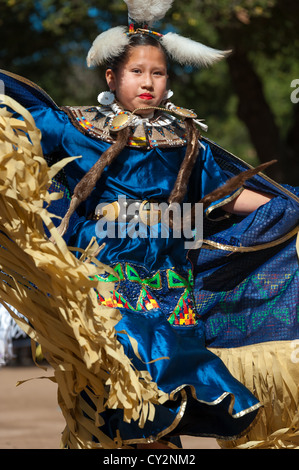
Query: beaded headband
<point x="142" y="14"/>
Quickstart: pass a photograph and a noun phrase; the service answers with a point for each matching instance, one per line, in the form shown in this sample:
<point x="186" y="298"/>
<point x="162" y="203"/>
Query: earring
<point x="106" y="98"/>
<point x="168" y="95"/>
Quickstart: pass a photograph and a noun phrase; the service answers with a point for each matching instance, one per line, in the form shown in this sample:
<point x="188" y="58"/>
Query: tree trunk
<point x="255" y="112"/>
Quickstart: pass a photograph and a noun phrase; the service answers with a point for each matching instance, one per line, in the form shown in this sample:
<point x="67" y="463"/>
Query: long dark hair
<point x="86" y="185"/>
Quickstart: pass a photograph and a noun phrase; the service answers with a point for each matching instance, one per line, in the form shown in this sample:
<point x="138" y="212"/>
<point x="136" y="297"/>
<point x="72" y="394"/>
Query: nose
<point x="147" y="81"/>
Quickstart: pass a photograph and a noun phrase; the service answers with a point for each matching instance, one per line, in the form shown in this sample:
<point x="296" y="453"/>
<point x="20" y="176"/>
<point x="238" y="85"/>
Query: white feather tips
<point x="149" y="11"/>
<point x="189" y="52"/>
<point x="107" y="45"/>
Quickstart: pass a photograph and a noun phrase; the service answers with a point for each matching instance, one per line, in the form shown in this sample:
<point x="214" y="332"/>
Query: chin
<point x="146" y="104"/>
<point x="145" y="113"/>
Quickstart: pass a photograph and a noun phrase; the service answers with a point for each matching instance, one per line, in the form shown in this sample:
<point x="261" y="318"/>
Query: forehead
<point x="146" y="55"/>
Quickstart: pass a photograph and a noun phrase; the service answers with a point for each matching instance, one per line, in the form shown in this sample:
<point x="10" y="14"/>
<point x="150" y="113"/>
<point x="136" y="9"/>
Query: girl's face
<point x="141" y="80"/>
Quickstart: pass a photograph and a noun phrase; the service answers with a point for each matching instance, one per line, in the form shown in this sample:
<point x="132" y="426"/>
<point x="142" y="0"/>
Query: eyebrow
<point x="141" y="65"/>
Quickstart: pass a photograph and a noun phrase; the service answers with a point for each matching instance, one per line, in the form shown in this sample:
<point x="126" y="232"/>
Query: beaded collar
<point x="163" y="129"/>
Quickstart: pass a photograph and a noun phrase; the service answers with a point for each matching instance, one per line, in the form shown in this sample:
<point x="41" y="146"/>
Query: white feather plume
<point x="107" y="45"/>
<point x="148" y="11"/>
<point x="189" y="52"/>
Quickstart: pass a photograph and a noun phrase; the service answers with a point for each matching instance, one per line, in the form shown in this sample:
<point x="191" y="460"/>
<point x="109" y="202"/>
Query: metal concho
<point x="120" y="121"/>
<point x="186" y="113"/>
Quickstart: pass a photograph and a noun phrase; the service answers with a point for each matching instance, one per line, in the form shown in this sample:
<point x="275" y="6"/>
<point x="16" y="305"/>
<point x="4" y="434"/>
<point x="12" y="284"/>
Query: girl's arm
<point x="248" y="201"/>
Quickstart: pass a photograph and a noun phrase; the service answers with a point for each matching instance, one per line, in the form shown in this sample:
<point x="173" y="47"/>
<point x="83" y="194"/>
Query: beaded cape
<point x="164" y="130"/>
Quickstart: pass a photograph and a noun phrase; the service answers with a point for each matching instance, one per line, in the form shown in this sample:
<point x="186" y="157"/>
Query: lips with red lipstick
<point x="146" y="96"/>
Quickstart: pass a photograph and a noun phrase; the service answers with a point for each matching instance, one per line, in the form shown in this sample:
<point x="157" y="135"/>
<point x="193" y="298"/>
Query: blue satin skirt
<point x="156" y="303"/>
<point x="204" y="398"/>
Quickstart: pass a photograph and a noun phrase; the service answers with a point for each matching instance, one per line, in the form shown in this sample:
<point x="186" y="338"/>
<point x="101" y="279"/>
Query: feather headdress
<point x="107" y="45"/>
<point x="142" y="14"/>
<point x="185" y="51"/>
<point x="148" y="12"/>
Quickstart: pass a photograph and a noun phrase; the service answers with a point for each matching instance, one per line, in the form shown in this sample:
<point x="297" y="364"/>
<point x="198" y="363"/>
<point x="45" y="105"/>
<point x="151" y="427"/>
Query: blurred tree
<point x="245" y="100"/>
<point x="46" y="41"/>
<point x="263" y="35"/>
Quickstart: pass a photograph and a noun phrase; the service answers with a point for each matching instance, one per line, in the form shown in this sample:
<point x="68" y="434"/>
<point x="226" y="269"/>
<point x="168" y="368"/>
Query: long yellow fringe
<point x="271" y="371"/>
<point x="53" y="289"/>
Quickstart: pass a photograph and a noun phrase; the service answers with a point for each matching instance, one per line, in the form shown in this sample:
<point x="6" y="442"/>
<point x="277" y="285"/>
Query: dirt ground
<point x="30" y="417"/>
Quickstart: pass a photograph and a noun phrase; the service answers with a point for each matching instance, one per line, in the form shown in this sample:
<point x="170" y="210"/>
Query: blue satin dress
<point x="154" y="290"/>
<point x="154" y="284"/>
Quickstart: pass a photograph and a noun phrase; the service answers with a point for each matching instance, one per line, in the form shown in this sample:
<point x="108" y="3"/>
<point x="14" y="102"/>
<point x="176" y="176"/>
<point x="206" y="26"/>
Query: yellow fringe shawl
<point x="270" y="371"/>
<point x="53" y="289"/>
